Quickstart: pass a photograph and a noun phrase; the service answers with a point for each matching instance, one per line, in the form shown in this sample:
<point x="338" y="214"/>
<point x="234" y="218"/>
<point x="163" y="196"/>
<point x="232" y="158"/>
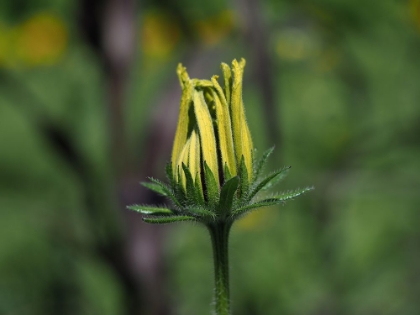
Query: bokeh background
<point x="88" y="108"/>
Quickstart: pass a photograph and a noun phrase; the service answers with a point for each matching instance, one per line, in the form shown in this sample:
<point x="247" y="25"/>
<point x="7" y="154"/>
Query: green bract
<point x="213" y="176"/>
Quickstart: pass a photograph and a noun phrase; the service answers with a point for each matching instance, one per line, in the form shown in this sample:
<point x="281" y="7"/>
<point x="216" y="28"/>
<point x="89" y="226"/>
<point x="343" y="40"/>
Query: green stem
<point x="219" y="233"/>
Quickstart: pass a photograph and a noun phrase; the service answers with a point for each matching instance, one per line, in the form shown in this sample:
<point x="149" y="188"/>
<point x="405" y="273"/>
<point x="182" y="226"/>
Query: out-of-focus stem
<point x="219" y="233"/>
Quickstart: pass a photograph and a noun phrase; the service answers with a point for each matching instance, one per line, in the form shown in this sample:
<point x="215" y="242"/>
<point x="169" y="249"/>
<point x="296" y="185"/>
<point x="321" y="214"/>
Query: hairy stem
<point x="219" y="233"/>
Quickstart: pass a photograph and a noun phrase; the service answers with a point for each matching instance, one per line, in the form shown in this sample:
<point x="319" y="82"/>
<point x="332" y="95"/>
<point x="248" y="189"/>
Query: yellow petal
<point x="247" y="148"/>
<point x="183" y="77"/>
<point x="183" y="159"/>
<point x="205" y="128"/>
<point x="241" y="134"/>
<point x="227" y="75"/>
<point x="194" y="154"/>
<point x="183" y="118"/>
<point x="194" y="162"/>
<point x="224" y="128"/>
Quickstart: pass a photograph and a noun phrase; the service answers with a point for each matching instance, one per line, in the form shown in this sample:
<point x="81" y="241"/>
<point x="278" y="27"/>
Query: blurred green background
<point x="88" y="108"/>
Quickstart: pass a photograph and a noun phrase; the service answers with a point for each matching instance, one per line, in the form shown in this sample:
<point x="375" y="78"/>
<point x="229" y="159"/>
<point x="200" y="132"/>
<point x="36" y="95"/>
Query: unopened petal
<point x="241" y="134"/>
<point x="205" y="128"/>
<point x="224" y="128"/>
<point x="183" y="159"/>
<point x="183" y="120"/>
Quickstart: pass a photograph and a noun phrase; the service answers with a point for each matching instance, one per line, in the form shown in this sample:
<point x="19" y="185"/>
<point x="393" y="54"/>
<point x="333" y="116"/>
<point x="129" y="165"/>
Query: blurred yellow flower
<point x="159" y="35"/>
<point x="41" y="40"/>
<point x="5" y="46"/>
<point x="214" y="29"/>
<point x="414" y="7"/>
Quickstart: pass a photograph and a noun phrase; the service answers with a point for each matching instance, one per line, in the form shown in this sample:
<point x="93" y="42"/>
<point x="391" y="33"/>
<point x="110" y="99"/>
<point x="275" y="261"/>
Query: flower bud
<point x="212" y="130"/>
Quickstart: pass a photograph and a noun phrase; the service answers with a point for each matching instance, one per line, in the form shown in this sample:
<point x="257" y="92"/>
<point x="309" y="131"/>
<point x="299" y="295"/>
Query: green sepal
<point x="227" y="194"/>
<point x="266" y="181"/>
<point x="274" y="181"/>
<point x="170" y="174"/>
<point x="211" y="185"/>
<point x="280" y="199"/>
<point x="166" y="190"/>
<point x="263" y="203"/>
<point x="261" y="162"/>
<point x="243" y="176"/>
<point x="291" y="194"/>
<point x="193" y="194"/>
<point x="226" y="173"/>
<point x="169" y="219"/>
<point x="150" y="210"/>
<point x="199" y="189"/>
<point x="201" y="213"/>
<point x="156" y="187"/>
<point x="179" y="191"/>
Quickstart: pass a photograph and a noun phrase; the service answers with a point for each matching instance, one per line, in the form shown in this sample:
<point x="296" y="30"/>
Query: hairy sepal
<point x="259" y="166"/>
<point x="193" y="193"/>
<point x="169" y="219"/>
<point x="243" y="180"/>
<point x="168" y="192"/>
<point x="212" y="186"/>
<point x="227" y="195"/>
<point x="151" y="210"/>
<point x="273" y="177"/>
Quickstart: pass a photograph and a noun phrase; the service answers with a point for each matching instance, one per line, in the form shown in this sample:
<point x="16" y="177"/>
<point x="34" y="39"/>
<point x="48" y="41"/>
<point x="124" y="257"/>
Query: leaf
<point x="261" y="163"/>
<point x="243" y="176"/>
<point x="157" y="188"/>
<point x="281" y="199"/>
<point x="263" y="203"/>
<point x="291" y="194"/>
<point x="169" y="219"/>
<point x="278" y="178"/>
<point x="226" y="173"/>
<point x="198" y="186"/>
<point x="193" y="192"/>
<point x="179" y="191"/>
<point x="212" y="186"/>
<point x="170" y="174"/>
<point x="150" y="210"/>
<point x="168" y="191"/>
<point x="227" y="194"/>
<point x="201" y="212"/>
<point x="266" y="181"/>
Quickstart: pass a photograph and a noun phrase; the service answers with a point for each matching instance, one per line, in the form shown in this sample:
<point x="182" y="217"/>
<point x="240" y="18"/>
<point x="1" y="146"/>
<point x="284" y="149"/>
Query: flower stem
<point x="219" y="233"/>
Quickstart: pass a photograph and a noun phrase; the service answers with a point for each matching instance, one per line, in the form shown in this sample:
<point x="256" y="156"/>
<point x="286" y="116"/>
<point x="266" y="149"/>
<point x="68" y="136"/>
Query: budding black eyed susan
<point x="213" y="176"/>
